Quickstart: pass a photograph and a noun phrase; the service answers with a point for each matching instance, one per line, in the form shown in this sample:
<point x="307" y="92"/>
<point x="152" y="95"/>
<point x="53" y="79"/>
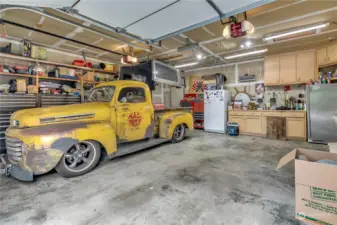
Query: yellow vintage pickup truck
<point x="118" y="119"/>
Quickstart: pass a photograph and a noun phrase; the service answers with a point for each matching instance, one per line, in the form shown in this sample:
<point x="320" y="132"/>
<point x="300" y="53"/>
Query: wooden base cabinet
<point x="253" y="125"/>
<point x="296" y="126"/>
<point x="255" y="122"/>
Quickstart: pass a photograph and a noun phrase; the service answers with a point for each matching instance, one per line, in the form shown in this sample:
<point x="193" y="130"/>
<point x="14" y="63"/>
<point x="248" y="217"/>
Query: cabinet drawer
<point x="271" y="114"/>
<point x="294" y="114"/>
<point x="247" y="113"/>
<point x="235" y="113"/>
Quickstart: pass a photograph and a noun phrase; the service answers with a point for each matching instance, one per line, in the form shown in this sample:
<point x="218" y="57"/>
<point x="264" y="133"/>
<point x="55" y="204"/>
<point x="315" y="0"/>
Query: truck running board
<point x="127" y="148"/>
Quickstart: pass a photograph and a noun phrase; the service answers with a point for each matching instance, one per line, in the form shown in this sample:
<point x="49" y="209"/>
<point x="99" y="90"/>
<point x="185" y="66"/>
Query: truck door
<point x="134" y="114"/>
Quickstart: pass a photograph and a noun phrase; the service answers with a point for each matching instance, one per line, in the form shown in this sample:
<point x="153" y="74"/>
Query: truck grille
<point x="14" y="149"/>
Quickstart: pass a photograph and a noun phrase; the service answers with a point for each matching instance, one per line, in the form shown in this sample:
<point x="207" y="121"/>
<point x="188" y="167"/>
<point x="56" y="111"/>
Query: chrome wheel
<point x="179" y="132"/>
<point x="80" y="156"/>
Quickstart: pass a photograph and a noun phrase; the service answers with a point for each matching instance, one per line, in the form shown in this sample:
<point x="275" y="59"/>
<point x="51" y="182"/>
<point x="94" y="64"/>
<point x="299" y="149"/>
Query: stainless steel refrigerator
<point x="322" y="108"/>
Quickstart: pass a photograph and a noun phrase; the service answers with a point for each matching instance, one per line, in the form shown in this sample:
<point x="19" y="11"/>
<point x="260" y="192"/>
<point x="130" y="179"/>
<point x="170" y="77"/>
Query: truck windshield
<point x="102" y="94"/>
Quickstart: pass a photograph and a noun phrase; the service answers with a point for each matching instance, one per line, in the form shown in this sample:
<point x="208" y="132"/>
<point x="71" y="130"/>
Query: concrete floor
<point x="207" y="179"/>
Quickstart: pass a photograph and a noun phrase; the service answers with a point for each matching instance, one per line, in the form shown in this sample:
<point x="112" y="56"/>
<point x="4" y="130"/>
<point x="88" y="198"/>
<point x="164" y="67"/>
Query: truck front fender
<point x="44" y="146"/>
<point x="168" y="123"/>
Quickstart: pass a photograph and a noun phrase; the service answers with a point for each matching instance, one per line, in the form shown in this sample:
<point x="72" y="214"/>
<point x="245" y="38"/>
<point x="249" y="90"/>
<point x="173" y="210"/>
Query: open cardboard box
<point x="316" y="186"/>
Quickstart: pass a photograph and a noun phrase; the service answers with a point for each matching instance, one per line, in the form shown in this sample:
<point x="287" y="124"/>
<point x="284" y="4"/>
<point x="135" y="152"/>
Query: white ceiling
<point x="121" y="13"/>
<point x="40" y="3"/>
<point x="185" y="13"/>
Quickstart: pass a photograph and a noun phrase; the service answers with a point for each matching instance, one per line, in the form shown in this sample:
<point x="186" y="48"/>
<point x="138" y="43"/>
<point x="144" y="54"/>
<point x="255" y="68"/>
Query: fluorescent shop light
<point x="246" y="54"/>
<point x="296" y="31"/>
<point x="185" y="65"/>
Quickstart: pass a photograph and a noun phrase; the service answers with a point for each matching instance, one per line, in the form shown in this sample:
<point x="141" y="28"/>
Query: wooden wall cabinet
<point x="305" y="66"/>
<point x="322" y="56"/>
<point x="272" y="70"/>
<point x="332" y="53"/>
<point x="288" y="69"/>
<point x="291" y="68"/>
<point x="327" y="55"/>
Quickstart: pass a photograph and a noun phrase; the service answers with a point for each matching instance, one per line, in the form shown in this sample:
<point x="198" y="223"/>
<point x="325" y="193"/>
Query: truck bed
<point x="186" y="109"/>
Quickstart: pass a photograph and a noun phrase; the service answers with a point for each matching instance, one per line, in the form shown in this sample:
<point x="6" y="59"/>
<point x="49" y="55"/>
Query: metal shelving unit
<point x="54" y="100"/>
<point x="10" y="103"/>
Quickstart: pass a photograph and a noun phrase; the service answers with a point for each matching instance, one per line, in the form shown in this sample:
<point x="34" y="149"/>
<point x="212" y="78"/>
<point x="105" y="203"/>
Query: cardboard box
<point x="32" y="89"/>
<point x="38" y="52"/>
<point x="89" y="76"/>
<point x="63" y="70"/>
<point x="21" y="85"/>
<point x="316" y="186"/>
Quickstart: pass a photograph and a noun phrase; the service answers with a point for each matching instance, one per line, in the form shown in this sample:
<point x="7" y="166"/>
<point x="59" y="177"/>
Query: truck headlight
<point x="16" y="123"/>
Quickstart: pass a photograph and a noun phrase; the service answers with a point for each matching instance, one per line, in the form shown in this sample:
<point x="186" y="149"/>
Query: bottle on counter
<point x="300" y="106"/>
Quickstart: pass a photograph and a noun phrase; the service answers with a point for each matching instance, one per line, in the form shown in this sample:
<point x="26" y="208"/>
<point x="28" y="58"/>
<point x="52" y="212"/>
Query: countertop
<point x="300" y="111"/>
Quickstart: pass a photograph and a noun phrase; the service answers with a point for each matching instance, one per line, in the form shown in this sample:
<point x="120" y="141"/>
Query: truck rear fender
<point x="168" y="123"/>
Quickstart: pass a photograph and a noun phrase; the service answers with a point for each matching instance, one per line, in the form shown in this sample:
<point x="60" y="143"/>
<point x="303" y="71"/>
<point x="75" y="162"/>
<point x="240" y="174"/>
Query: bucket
<point x="233" y="129"/>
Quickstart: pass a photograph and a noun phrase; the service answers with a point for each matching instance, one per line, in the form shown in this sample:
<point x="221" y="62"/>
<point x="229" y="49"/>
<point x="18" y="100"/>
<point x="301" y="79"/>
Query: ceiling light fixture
<point x="186" y="65"/>
<point x="248" y="43"/>
<point x="242" y="46"/>
<point x="127" y="59"/>
<point x="247" y="54"/>
<point x="296" y="31"/>
<point x="199" y="56"/>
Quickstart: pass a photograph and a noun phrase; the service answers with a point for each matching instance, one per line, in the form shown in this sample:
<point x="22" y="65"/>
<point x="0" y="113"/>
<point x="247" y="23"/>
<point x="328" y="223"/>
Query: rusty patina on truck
<point x="118" y="119"/>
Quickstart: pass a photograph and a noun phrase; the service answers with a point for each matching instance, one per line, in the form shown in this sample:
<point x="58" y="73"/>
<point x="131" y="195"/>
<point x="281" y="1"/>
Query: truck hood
<point x="60" y="114"/>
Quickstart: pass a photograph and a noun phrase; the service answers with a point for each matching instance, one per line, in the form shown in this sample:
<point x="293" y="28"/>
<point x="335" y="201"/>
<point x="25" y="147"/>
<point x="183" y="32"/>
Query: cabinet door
<point x="305" y="66"/>
<point x="253" y="124"/>
<point x="271" y="70"/>
<point x="332" y="53"/>
<point x="264" y="125"/>
<point x="321" y="56"/>
<point x="288" y="68"/>
<point x="296" y="128"/>
<point x="240" y="121"/>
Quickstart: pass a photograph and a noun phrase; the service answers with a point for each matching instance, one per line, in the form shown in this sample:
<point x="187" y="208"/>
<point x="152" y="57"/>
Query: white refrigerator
<point x="215" y="110"/>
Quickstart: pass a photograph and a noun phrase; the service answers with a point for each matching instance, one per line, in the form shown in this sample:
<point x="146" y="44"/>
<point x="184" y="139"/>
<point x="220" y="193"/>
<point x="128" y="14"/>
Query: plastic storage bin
<point x="233" y="129"/>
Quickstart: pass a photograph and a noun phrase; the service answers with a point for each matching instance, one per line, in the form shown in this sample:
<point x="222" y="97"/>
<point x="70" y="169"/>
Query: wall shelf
<point x="34" y="76"/>
<point x="56" y="78"/>
<point x="28" y="59"/>
<point x="17" y="75"/>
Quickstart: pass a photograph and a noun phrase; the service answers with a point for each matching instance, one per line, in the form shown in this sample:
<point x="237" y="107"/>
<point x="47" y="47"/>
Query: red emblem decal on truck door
<point x="135" y="118"/>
